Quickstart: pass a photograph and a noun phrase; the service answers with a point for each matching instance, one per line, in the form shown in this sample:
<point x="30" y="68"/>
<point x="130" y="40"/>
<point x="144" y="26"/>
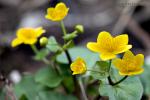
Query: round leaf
<point x="130" y="89"/>
<point x="48" y="77"/>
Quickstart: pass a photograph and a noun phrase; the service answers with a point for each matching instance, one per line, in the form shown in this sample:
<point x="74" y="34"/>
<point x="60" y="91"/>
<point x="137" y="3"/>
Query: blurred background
<point x="116" y="16"/>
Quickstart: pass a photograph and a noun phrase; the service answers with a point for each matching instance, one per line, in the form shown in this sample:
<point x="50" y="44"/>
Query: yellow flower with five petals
<point x="58" y="13"/>
<point x="78" y="66"/>
<point x="109" y="46"/>
<point x="27" y="36"/>
<point x="130" y="64"/>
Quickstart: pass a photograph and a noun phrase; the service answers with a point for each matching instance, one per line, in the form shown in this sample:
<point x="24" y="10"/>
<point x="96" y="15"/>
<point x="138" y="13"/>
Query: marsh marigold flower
<point x="130" y="64"/>
<point x="109" y="46"/>
<point x="58" y="13"/>
<point x="78" y="66"/>
<point x="27" y="36"/>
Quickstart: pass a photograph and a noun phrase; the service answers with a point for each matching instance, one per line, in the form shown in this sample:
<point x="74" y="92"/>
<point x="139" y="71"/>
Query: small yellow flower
<point x="78" y="66"/>
<point x="58" y="13"/>
<point x="27" y="36"/>
<point x="109" y="46"/>
<point x="130" y="64"/>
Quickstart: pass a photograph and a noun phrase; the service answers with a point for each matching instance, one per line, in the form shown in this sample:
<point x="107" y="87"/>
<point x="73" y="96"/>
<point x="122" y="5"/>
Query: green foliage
<point x="27" y="88"/>
<point x="69" y="44"/>
<point x="69" y="36"/>
<point x="100" y="70"/>
<point x="69" y="84"/>
<point x="88" y="56"/>
<point x="48" y="95"/>
<point x="145" y="78"/>
<point x="52" y="45"/>
<point x="130" y="89"/>
<point x="48" y="77"/>
<point x="41" y="54"/>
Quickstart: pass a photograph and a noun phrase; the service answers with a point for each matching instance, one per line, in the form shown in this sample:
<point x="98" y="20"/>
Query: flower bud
<point x="43" y="41"/>
<point x="79" y="28"/>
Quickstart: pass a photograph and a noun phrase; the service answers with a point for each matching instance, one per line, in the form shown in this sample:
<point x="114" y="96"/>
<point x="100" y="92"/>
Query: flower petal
<point x="104" y="37"/>
<point x="16" y="42"/>
<point x="30" y="41"/>
<point x="136" y="72"/>
<point x="121" y="49"/>
<point x="118" y="63"/>
<point x="93" y="46"/>
<point x="78" y="66"/>
<point x="139" y="59"/>
<point x="61" y="6"/>
<point x="50" y="13"/>
<point x="121" y="40"/>
<point x="39" y="31"/>
<point x="128" y="55"/>
<point x="107" y="56"/>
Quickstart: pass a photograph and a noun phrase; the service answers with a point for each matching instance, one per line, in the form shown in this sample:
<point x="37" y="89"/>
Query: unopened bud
<point x="79" y="28"/>
<point x="43" y="41"/>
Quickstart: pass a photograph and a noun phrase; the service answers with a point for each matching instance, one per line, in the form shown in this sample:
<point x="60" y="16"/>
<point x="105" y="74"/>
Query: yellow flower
<point x="58" y="13"/>
<point x="27" y="36"/>
<point x="78" y="66"/>
<point x="109" y="46"/>
<point x="130" y="64"/>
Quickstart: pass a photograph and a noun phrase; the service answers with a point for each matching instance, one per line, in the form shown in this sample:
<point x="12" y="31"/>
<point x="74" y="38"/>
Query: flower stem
<point x="109" y="65"/>
<point x="68" y="57"/>
<point x="82" y="89"/>
<point x="63" y="28"/>
<point x="109" y="78"/>
<point x="120" y="80"/>
<point x="45" y="60"/>
<point x="80" y="84"/>
<point x="34" y="49"/>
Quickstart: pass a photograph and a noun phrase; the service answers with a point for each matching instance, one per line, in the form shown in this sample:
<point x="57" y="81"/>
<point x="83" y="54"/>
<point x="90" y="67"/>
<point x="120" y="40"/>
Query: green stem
<point x="82" y="89"/>
<point x="63" y="28"/>
<point x="34" y="49"/>
<point x="109" y="78"/>
<point x="45" y="60"/>
<point x="120" y="80"/>
<point x="77" y="85"/>
<point x="110" y="65"/>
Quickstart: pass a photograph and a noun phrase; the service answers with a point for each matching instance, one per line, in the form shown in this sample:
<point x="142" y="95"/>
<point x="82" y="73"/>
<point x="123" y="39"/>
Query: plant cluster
<point x="74" y="72"/>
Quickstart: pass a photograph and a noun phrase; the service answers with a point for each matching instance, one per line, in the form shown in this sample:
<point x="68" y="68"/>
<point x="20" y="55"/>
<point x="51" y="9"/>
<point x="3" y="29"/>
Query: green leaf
<point x="70" y="36"/>
<point x="27" y="88"/>
<point x="100" y="70"/>
<point x="89" y="57"/>
<point x="130" y="89"/>
<point x="69" y="84"/>
<point x="41" y="54"/>
<point x="145" y="78"/>
<point x="54" y="96"/>
<point x="48" y="77"/>
<point x="52" y="45"/>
